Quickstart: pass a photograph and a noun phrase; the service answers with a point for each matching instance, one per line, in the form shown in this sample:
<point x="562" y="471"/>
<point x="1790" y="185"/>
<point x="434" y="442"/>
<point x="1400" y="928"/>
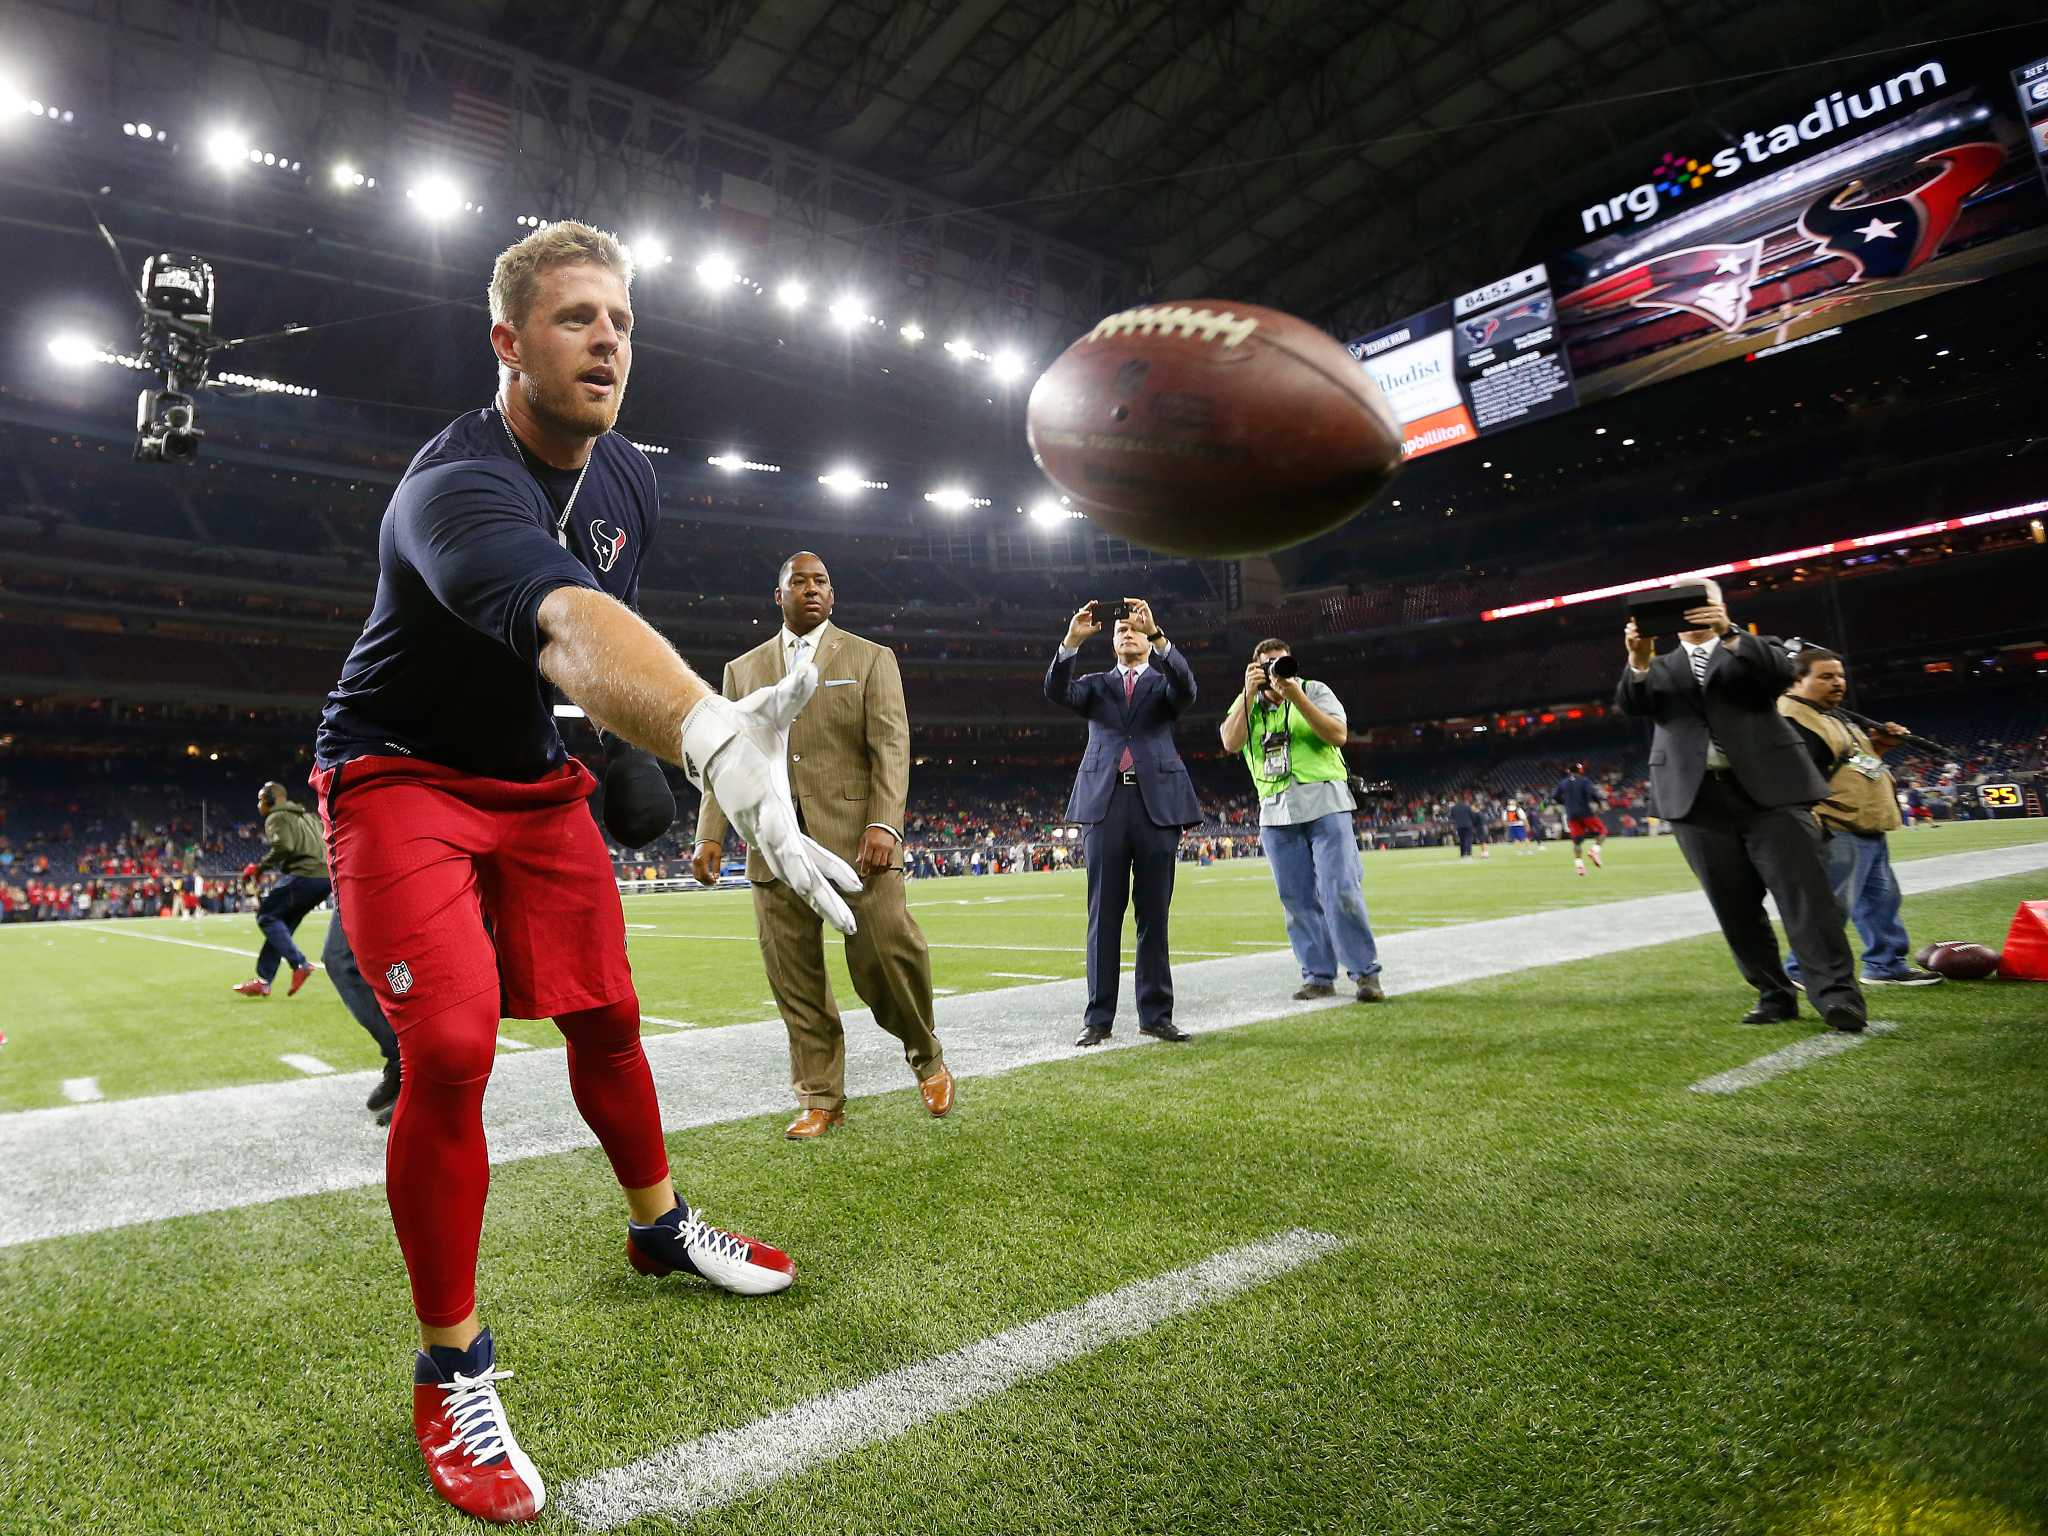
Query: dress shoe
<point x="386" y="1091"/>
<point x="1165" y="1029"/>
<point x="1847" y="1020"/>
<point x="1772" y="1013"/>
<point x="1092" y="1034"/>
<point x="938" y="1091"/>
<point x="1314" y="989"/>
<point x="1369" y="990"/>
<point x="813" y="1123"/>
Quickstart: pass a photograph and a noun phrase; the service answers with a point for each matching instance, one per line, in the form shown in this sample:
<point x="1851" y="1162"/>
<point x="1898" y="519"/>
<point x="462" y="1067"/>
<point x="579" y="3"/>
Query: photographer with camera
<point x="1292" y="733"/>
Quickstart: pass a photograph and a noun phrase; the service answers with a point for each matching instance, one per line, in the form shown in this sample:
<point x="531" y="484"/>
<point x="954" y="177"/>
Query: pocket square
<point x="841" y="682"/>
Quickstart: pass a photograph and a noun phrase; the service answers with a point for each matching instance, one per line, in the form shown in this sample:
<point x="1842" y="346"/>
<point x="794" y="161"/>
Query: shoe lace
<point x="476" y="1415"/>
<point x="700" y="1233"/>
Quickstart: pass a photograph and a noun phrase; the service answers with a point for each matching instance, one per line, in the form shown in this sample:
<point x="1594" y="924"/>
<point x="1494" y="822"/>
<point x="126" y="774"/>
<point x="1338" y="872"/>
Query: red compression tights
<point x="436" y="1167"/>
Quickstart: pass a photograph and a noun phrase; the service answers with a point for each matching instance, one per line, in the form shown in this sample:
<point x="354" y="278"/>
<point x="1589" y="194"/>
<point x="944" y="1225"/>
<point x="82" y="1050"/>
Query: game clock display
<point x="2031" y="82"/>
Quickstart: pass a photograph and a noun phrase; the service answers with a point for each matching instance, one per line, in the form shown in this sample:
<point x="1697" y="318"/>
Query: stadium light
<point x="1048" y="513"/>
<point x="1006" y="365"/>
<point x="1765" y="562"/>
<point x="954" y="498"/>
<point x="960" y="349"/>
<point x="650" y="448"/>
<point x="226" y="149"/>
<point x="716" y="271"/>
<point x="847" y="481"/>
<point x="911" y="332"/>
<point x="436" y="197"/>
<point x="345" y="175"/>
<point x="263" y="385"/>
<point x="732" y="464"/>
<point x="792" y="293"/>
<point x="847" y="311"/>
<point x="73" y="350"/>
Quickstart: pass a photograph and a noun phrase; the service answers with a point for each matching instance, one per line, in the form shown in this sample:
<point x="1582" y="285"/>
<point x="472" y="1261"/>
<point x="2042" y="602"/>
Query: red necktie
<point x="1130" y="689"/>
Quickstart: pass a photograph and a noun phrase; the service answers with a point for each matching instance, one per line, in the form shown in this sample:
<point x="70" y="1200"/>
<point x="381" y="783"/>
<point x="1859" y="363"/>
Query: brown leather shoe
<point x="813" y="1123"/>
<point x="938" y="1091"/>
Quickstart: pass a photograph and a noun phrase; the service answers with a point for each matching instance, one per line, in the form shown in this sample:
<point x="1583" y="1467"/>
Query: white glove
<point x="741" y="750"/>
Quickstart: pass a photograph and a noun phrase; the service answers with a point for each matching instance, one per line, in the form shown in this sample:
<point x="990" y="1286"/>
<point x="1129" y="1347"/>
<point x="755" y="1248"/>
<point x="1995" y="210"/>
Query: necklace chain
<point x="562" y="521"/>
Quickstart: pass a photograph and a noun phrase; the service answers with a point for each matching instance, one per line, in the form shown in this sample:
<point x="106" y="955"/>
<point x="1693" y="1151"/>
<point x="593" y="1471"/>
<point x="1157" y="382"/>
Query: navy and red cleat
<point x="301" y="974"/>
<point x="255" y="986"/>
<point x="683" y="1240"/>
<point x="475" y="1463"/>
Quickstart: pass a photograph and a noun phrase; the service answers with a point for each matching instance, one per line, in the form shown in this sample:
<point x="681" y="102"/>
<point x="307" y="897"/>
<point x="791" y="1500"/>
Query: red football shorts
<point x="456" y="884"/>
<point x="1582" y="827"/>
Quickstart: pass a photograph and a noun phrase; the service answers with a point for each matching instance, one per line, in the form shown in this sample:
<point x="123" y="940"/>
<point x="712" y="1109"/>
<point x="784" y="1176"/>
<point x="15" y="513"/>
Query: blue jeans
<point x="1315" y="865"/>
<point x="283" y="907"/>
<point x="1860" y="870"/>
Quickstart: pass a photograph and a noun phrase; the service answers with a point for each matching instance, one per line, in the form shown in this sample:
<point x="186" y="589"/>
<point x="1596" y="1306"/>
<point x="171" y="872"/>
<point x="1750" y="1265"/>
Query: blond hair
<point x="515" y="276"/>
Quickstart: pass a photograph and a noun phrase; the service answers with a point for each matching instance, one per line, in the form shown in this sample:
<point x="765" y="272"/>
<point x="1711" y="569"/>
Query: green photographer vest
<point x="1310" y="759"/>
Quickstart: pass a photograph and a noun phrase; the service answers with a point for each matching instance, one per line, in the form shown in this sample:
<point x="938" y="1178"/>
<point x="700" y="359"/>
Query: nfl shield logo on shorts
<point x="400" y="977"/>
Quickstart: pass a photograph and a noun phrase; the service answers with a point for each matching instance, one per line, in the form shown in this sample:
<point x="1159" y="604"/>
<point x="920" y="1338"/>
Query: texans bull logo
<point x="607" y="543"/>
<point x="1893" y="235"/>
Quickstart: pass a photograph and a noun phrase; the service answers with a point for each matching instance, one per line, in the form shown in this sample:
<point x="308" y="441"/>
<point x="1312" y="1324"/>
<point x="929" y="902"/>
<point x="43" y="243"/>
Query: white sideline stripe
<point x="70" y="1168"/>
<point x="1000" y="949"/>
<point x="507" y="1043"/>
<point x="686" y="1480"/>
<point x="654" y="1018"/>
<point x="312" y="1066"/>
<point x="82" y="1090"/>
<point x="1800" y="1053"/>
<point x="1024" y="976"/>
<point x="164" y="938"/>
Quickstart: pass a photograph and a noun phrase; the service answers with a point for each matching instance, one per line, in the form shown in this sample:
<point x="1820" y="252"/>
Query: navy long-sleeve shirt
<point x="1579" y="796"/>
<point x="476" y="535"/>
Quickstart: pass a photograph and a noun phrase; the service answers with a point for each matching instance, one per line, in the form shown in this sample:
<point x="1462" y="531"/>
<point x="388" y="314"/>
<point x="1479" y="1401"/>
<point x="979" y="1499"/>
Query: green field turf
<point x="143" y="1006"/>
<point x="1574" y="1298"/>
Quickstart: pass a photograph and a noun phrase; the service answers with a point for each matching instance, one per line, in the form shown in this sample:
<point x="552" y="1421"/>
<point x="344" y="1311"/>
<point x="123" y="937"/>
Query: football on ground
<point x="1212" y="429"/>
<point x="1961" y="962"/>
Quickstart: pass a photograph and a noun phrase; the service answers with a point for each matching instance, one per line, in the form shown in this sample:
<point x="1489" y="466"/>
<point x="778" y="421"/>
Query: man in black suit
<point x="1728" y="773"/>
<point x="1133" y="797"/>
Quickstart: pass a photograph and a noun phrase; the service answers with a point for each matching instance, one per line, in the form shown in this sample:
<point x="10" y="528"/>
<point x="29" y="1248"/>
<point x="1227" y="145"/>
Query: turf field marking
<point x="688" y="1479"/>
<point x="312" y="1066"/>
<point x="165" y="938"/>
<point x="507" y="1043"/>
<point x="1800" y="1053"/>
<point x="650" y="1018"/>
<point x="998" y="949"/>
<point x="82" y="1090"/>
<point x="70" y="1168"/>
<point x="1024" y="976"/>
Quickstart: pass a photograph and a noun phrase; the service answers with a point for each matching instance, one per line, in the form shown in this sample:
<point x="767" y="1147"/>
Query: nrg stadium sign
<point x="1677" y="175"/>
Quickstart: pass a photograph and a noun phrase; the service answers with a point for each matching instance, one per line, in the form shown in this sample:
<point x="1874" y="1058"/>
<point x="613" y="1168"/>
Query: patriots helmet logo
<point x="606" y="543"/>
<point x="1710" y="281"/>
<point x="1886" y="237"/>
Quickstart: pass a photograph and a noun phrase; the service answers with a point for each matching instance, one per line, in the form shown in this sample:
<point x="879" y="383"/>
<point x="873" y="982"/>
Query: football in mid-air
<point x="1212" y="429"/>
<point x="1959" y="961"/>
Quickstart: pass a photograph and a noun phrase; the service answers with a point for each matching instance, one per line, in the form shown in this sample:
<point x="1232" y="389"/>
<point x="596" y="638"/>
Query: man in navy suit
<point x="1133" y="796"/>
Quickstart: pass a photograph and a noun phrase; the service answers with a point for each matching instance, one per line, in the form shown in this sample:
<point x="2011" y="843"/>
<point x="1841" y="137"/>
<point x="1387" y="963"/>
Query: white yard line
<point x="71" y="1168"/>
<point x="1024" y="976"/>
<point x="507" y="1043"/>
<point x="1800" y="1053"/>
<point x="312" y="1066"/>
<point x="699" y="1475"/>
<point x="247" y="951"/>
<point x="655" y="1018"/>
<point x="82" y="1090"/>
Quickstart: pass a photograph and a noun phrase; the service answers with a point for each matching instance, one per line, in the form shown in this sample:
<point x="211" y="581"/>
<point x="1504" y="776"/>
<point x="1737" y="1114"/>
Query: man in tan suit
<point x="849" y="774"/>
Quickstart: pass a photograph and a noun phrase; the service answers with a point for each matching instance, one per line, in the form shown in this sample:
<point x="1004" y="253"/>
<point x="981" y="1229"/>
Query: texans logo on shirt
<point x="1893" y="235"/>
<point x="606" y="543"/>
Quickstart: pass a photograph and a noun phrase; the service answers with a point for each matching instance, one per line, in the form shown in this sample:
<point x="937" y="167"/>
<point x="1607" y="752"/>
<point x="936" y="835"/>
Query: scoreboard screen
<point x="2001" y="797"/>
<point x="1486" y="361"/>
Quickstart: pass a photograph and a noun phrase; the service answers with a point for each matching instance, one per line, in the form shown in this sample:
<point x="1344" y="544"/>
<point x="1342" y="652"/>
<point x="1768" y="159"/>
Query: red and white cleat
<point x="472" y="1458"/>
<point x="681" y="1240"/>
<point x="301" y="974"/>
<point x="255" y="986"/>
<point x="1594" y="854"/>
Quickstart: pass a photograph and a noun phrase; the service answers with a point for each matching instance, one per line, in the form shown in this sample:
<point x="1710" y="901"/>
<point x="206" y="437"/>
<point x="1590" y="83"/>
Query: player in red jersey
<point x="1581" y="799"/>
<point x="461" y="846"/>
